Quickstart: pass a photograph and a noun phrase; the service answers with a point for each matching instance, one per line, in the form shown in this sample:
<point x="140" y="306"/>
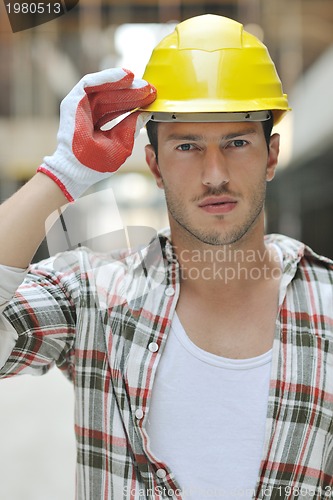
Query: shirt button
<point x="153" y="347"/>
<point x="169" y="291"/>
<point x="139" y="413"/>
<point x="161" y="473"/>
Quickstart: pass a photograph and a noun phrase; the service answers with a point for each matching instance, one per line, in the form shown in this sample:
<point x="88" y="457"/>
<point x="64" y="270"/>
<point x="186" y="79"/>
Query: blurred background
<point x="39" y="66"/>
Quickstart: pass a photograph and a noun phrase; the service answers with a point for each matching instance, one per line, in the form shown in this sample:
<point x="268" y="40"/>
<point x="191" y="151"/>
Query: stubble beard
<point x="215" y="237"/>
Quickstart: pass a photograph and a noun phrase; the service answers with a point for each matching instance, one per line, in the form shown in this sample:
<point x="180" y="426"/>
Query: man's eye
<point x="185" y="147"/>
<point x="238" y="143"/>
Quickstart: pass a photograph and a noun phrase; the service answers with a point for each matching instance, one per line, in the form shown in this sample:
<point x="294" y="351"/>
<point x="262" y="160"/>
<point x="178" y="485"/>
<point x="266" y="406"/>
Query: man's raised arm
<point x="85" y="154"/>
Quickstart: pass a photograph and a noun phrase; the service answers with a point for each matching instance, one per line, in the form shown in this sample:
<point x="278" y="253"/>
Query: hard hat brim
<point x="255" y="116"/>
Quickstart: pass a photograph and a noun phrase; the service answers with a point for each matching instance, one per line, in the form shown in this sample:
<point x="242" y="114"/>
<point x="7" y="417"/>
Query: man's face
<point x="214" y="176"/>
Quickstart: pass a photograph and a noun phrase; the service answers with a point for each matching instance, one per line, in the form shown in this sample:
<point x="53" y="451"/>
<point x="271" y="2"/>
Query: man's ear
<point x="273" y="156"/>
<point x="153" y="165"/>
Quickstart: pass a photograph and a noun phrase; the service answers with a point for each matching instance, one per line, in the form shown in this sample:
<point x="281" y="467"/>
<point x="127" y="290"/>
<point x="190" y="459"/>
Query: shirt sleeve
<point x="10" y="279"/>
<point x="38" y="316"/>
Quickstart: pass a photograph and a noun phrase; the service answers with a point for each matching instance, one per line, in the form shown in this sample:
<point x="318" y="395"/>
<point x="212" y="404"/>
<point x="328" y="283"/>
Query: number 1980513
<point x="34" y="8"/>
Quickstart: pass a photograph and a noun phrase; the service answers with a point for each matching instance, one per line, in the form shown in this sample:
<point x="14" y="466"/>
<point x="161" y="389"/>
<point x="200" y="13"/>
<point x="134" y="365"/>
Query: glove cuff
<point x="56" y="180"/>
<point x="69" y="175"/>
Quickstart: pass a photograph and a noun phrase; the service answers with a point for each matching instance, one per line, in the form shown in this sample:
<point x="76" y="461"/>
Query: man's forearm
<point x="22" y="219"/>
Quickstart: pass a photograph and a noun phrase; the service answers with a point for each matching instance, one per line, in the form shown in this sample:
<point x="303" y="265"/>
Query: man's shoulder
<point x="85" y="258"/>
<point x="297" y="252"/>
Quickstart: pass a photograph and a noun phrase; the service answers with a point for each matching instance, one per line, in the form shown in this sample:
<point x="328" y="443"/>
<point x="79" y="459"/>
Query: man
<point x="208" y="371"/>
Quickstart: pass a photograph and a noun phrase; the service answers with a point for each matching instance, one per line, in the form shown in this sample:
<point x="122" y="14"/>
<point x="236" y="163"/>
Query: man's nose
<point x="215" y="171"/>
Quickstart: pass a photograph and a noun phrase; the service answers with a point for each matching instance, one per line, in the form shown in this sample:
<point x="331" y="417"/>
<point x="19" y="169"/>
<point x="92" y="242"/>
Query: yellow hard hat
<point x="210" y="64"/>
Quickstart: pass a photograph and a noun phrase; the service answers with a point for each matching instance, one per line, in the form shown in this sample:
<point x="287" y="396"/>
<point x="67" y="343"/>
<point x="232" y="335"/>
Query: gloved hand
<point x="85" y="154"/>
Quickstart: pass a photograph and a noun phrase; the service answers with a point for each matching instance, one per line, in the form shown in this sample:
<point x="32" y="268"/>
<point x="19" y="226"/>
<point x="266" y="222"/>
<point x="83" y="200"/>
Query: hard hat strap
<point x="251" y="116"/>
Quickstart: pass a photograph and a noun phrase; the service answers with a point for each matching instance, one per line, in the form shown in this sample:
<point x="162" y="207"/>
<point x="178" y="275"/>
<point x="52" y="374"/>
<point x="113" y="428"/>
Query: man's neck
<point x="227" y="269"/>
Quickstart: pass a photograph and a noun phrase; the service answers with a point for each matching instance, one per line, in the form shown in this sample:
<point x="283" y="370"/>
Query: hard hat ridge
<point x="221" y="30"/>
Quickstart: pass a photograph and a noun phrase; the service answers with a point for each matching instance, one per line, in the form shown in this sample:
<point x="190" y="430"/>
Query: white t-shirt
<point x="207" y="418"/>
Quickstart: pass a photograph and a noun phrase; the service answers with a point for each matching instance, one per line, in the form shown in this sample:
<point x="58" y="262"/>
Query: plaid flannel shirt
<point x="105" y="323"/>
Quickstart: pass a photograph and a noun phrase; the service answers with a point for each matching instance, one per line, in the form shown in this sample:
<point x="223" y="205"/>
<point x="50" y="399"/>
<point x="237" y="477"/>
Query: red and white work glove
<point x="86" y="154"/>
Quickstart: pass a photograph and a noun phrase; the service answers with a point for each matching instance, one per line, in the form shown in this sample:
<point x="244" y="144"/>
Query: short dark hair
<point x="151" y="127"/>
<point x="152" y="134"/>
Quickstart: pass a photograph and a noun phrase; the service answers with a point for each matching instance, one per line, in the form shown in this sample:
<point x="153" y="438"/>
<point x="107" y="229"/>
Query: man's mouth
<point x="218" y="204"/>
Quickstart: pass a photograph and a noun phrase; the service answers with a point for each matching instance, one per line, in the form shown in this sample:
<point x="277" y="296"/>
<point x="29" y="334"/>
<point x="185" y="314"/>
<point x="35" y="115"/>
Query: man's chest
<point x="243" y="329"/>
